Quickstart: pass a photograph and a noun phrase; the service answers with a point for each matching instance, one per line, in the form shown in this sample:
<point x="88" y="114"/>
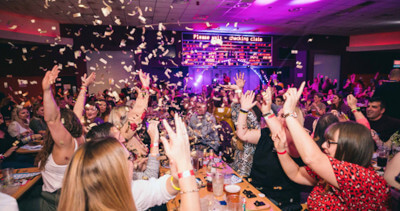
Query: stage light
<point x="264" y="2"/>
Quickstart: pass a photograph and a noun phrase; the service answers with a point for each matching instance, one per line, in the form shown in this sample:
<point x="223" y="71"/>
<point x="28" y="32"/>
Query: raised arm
<point x="62" y="138"/>
<point x="292" y="170"/>
<point x="360" y="118"/>
<point x="245" y="134"/>
<point x="309" y="151"/>
<point x="177" y="148"/>
<point x="142" y="101"/>
<point x="393" y="170"/>
<point x="80" y="101"/>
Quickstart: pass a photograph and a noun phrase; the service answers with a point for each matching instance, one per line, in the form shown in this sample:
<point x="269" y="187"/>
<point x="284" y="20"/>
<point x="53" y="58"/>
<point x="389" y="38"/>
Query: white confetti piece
<point x="24" y="58"/>
<point x="188" y="28"/>
<point x="235" y="25"/>
<point x="77" y="15"/>
<point x="53" y="28"/>
<point x="122" y="43"/>
<point x="24" y="50"/>
<point x="208" y="24"/>
<point x="142" y="19"/>
<point x="77" y="54"/>
<point x="166" y="72"/>
<point x="92" y="68"/>
<point x="106" y="10"/>
<point x="103" y="61"/>
<point x="61" y="50"/>
<point x="117" y="21"/>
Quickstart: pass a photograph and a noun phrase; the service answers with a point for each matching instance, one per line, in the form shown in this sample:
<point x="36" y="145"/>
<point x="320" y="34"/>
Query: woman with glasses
<point x="342" y="175"/>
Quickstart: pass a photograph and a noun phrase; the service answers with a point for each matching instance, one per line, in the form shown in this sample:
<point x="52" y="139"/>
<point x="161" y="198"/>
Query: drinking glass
<point x="218" y="183"/>
<point x="383" y="154"/>
<point x="8" y="176"/>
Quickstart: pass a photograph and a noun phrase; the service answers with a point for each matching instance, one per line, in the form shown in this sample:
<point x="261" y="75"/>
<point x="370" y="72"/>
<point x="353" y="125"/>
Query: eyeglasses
<point x="329" y="142"/>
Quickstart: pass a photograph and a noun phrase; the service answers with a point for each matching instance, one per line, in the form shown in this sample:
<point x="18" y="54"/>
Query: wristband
<point x="146" y="87"/>
<point x="268" y="115"/>
<point x="189" y="191"/>
<point x="84" y="88"/>
<point x="2" y="157"/>
<point x="154" y="145"/>
<point x="354" y="110"/>
<point x="238" y="91"/>
<point x="281" y="153"/>
<point x="244" y="111"/>
<point x="173" y="185"/>
<point x="187" y="173"/>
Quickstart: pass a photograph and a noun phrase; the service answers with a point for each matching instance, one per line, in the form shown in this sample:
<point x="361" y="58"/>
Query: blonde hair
<point x="15" y="112"/>
<point x="118" y="116"/>
<point x="97" y="178"/>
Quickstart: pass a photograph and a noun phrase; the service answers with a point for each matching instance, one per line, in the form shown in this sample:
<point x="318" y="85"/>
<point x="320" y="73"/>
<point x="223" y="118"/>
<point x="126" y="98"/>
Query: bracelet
<point x="238" y="91"/>
<point x="354" y="110"/>
<point x="2" y="157"/>
<point x="173" y="185"/>
<point x="154" y="145"/>
<point x="268" y="115"/>
<point x="243" y="111"/>
<point x="281" y="153"/>
<point x="190" y="191"/>
<point x="187" y="173"/>
<point x="84" y="88"/>
<point x="146" y="87"/>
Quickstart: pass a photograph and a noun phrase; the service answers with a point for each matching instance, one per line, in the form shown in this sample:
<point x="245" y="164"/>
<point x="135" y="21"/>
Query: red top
<point x="359" y="189"/>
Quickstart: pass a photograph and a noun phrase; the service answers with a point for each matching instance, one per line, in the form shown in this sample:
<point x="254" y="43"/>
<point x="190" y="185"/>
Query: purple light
<point x="298" y="2"/>
<point x="264" y="2"/>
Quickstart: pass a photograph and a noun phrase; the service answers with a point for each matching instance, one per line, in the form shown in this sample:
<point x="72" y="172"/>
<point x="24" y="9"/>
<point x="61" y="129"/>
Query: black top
<point x="268" y="176"/>
<point x="389" y="92"/>
<point x="385" y="127"/>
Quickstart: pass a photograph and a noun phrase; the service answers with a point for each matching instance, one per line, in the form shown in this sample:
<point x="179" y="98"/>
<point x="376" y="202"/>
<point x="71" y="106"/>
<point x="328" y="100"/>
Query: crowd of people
<point x="100" y="151"/>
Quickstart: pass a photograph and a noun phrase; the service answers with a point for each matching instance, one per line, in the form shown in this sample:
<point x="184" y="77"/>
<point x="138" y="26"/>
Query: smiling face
<point x="330" y="146"/>
<point x="23" y="114"/>
<point x="317" y="99"/>
<point x="91" y="112"/>
<point x="102" y="106"/>
<point x="374" y="111"/>
<point x="201" y="109"/>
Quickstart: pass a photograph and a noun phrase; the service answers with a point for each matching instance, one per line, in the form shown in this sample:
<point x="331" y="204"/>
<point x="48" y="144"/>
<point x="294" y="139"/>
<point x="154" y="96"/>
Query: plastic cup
<point x="232" y="190"/>
<point x="218" y="183"/>
<point x="234" y="202"/>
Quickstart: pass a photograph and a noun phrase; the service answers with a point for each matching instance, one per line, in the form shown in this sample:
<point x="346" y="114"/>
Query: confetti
<point x="103" y="61"/>
<point x="24" y="50"/>
<point x="33" y="20"/>
<point x="77" y="15"/>
<point x="208" y="24"/>
<point x="61" y="50"/>
<point x="24" y="58"/>
<point x="166" y="72"/>
<point x="13" y="27"/>
<point x="106" y="10"/>
<point x="117" y="21"/>
<point x="188" y="28"/>
<point x="122" y="43"/>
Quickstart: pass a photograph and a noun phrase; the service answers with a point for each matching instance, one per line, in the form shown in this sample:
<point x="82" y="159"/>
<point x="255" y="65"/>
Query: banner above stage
<point x="209" y="49"/>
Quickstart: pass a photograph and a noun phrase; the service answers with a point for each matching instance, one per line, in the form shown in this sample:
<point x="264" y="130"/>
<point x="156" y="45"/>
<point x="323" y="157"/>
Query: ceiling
<point x="284" y="17"/>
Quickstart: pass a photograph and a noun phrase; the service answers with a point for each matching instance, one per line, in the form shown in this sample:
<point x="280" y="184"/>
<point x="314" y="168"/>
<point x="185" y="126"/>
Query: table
<point x="29" y="151"/>
<point x="174" y="203"/>
<point x="18" y="191"/>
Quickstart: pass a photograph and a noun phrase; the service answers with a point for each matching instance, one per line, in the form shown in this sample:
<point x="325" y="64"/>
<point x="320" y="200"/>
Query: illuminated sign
<point x="226" y="49"/>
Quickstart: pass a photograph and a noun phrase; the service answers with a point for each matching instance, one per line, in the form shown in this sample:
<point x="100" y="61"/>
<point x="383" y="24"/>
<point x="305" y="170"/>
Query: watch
<point x="293" y="114"/>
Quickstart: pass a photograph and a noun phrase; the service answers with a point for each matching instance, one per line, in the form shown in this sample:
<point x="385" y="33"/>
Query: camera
<point x="397" y="178"/>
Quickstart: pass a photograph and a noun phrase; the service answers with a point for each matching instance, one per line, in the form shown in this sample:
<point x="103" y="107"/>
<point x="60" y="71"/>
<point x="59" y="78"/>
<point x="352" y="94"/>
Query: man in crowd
<point x="202" y="127"/>
<point x="384" y="125"/>
<point x="389" y="91"/>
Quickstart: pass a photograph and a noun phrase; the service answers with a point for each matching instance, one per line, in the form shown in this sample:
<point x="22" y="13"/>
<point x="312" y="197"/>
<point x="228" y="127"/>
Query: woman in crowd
<point x="37" y="123"/>
<point x="61" y="140"/>
<point x="339" y="105"/>
<point x="342" y="174"/>
<point x="19" y="127"/>
<point x="143" y="167"/>
<point x="89" y="113"/>
<point x="317" y="108"/>
<point x="107" y="164"/>
<point x="104" y="109"/>
<point x="266" y="173"/>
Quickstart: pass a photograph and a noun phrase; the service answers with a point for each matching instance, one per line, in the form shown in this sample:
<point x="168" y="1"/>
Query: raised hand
<point x="267" y="101"/>
<point x="87" y="81"/>
<point x="177" y="148"/>
<point x="153" y="131"/>
<point x="230" y="87"/>
<point x="247" y="101"/>
<point x="280" y="141"/>
<point x="50" y="78"/>
<point x="144" y="78"/>
<point x="352" y="101"/>
<point x="292" y="96"/>
<point x="240" y="80"/>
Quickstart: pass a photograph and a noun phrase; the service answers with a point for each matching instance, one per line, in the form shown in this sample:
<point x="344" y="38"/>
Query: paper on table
<point x="28" y="147"/>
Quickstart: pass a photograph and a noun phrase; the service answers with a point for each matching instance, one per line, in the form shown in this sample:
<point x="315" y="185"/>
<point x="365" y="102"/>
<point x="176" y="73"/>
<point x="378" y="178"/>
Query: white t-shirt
<point x="8" y="203"/>
<point x="53" y="173"/>
<point x="150" y="193"/>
